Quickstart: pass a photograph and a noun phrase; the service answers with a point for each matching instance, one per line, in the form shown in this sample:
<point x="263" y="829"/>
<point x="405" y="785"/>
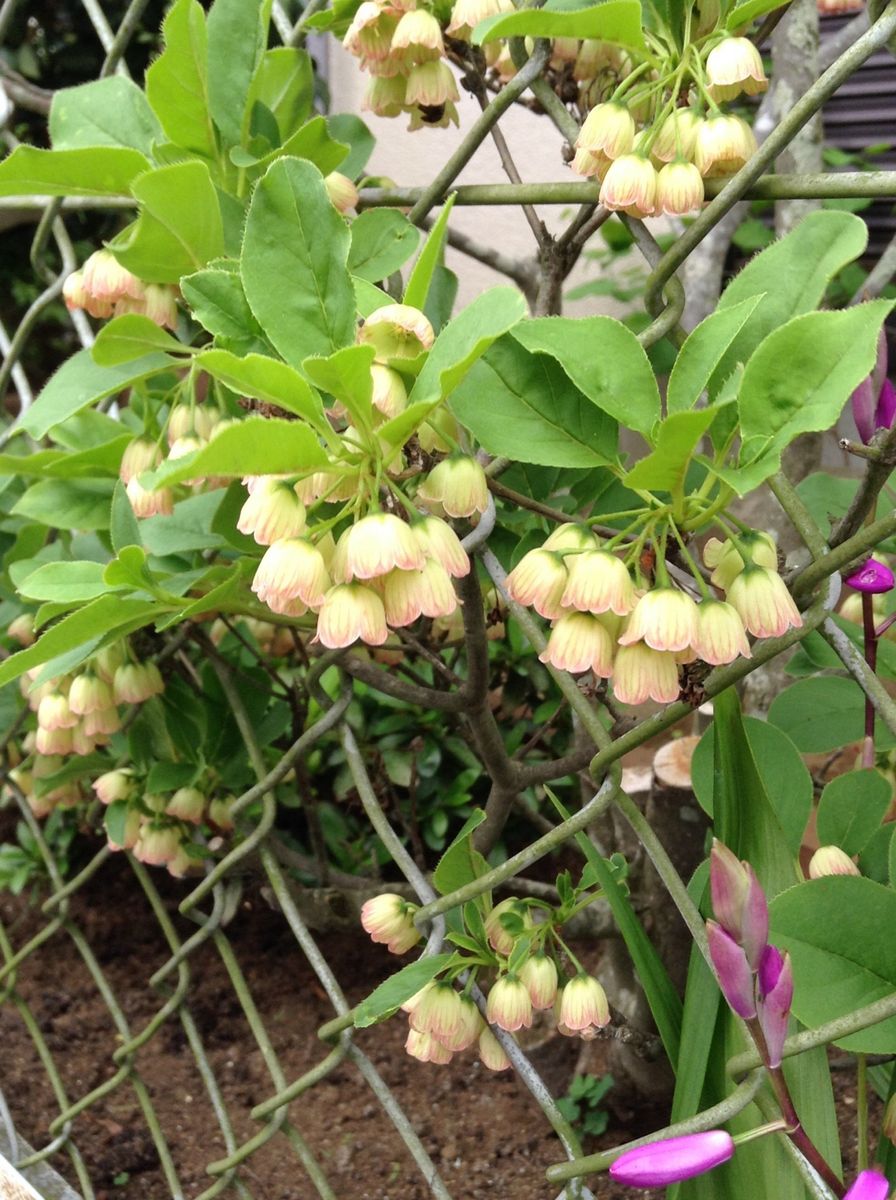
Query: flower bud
<point x="869" y="1185"/>
<point x="539" y="974"/>
<point x="775" y="989"/>
<point x="629" y="186"/>
<point x="733" y="972"/>
<point x="491" y="1052"/>
<point x="500" y="939"/>
<point x="342" y="192"/>
<point x="641" y="674"/>
<point x="136" y="682"/>
<point x="112" y="786"/>
<point x="509" y="1006"/>
<point x="458" y="485"/>
<point x="672" y="1159"/>
<point x="389" y="919"/>
<point x="187" y="804"/>
<point x="219" y="813"/>
<point x="763" y="602"/>
<point x="873" y="577"/>
<point x="735" y="66"/>
<point x="831" y="860"/>
<point x="581" y="1007"/>
<point x="738" y="901"/>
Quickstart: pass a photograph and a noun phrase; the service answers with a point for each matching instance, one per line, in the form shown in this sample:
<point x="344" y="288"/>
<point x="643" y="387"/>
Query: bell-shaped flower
<point x="664" y="618"/>
<point x="641" y="674"/>
<point x="831" y="860"/>
<point x="763" y="602"/>
<point x="580" y="642"/>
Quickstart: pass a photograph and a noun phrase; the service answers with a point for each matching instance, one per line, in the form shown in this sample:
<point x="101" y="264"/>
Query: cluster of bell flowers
<point x="443" y="1021"/>
<point x="601" y="622"/>
<point x="104" y="288"/>
<point x="160" y="828"/>
<point x="661" y="167"/>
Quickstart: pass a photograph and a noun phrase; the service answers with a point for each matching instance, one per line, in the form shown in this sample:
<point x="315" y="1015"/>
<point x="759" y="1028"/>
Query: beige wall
<point x="412" y="159"/>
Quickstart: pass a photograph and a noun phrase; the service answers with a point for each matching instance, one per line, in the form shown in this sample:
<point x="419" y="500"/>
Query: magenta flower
<point x="872" y="576"/>
<point x="732" y="970"/>
<point x="678" y="1158"/>
<point x="869" y="1185"/>
<point x="775" y="998"/>
<point x="874" y="400"/>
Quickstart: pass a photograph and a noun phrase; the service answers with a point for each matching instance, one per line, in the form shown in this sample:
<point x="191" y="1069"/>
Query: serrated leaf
<point x="266" y="379"/>
<point x="460" y="864"/>
<point x="130" y="337"/>
<point x="851" y="809"/>
<point x="382" y="242"/>
<point x="701" y="353"/>
<point x="93" y="171"/>
<point x="256" y="446"/>
<point x="430" y="256"/>
<point x="104" y="112"/>
<point x="616" y="21"/>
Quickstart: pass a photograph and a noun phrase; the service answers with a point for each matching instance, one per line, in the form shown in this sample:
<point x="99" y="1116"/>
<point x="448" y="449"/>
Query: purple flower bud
<point x="738" y="902"/>
<point x="869" y="403"/>
<point x="775" y="998"/>
<point x="732" y="970"/>
<point x="886" y="406"/>
<point x="674" y="1159"/>
<point x="872" y="576"/>
<point x="869" y="1185"/>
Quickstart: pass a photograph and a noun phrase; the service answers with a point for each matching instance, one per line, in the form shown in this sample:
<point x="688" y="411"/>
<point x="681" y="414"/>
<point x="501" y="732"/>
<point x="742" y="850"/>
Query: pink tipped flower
<point x="157" y="844"/>
<point x="831" y="860"/>
<point x="342" y="192"/>
<point x="572" y="539"/>
<point x="538" y="581"/>
<point x="735" y="66"/>
<point x="440" y="1014"/>
<point x="21" y="629"/>
<point x="641" y="674"/>
<point x="775" y="993"/>
<point x="738" y="901"/>
<point x="408" y="595"/>
<point x="869" y="1185"/>
<point x="720" y="636"/>
<point x="500" y="940"/>
<point x="141" y="455"/>
<point x="581" y="1007"/>
<point x="399" y="331"/>
<point x="679" y="189"/>
<point x="157" y="502"/>
<point x="664" y="619"/>
<point x="53" y="741"/>
<point x="390" y="396"/>
<point x="677" y="136"/>
<point x="54" y="712"/>
<point x="763" y="602"/>
<point x="599" y="582"/>
<point x="187" y="804"/>
<point x="458" y="485"/>
<point x="136" y="682"/>
<point x="873" y="577"/>
<point x="272" y="511"/>
<point x="112" y="786"/>
<point x="378" y="544"/>
<point x="418" y="37"/>
<point x="469" y="1028"/>
<point x="723" y="146"/>
<point x="98" y="724"/>
<point x="425" y="1048"/>
<point x="609" y="129"/>
<point x="733" y="972"/>
<point x="491" y="1052"/>
<point x="89" y="693"/>
<point x="509" y="1006"/>
<point x="292" y="569"/>
<point x="431" y="84"/>
<point x="133" y="826"/>
<point x="629" y="186"/>
<point x="539" y="974"/>
<point x="438" y="541"/>
<point x="389" y="919"/>
<point x="75" y="294"/>
<point x="104" y="278"/>
<point x="580" y="642"/>
<point x="673" y="1159"/>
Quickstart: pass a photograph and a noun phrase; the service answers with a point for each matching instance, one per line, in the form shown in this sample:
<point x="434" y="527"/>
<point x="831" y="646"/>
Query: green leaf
<point x="389" y="996"/>
<point x="790" y="277"/>
<point x="179" y="227"/>
<point x="783" y="773"/>
<point x="169" y="776"/>
<point x="68" y="503"/>
<point x="99" y="617"/>
<point x="665" y="467"/>
<point x="352" y="132"/>
<point x="130" y="337"/>
<point x="311" y="142"/>
<point x="613" y="21"/>
<point x="104" y="459"/>
<point x="851" y="809"/>
<point x="382" y="241"/>
<point x="460" y="864"/>
<point x="294" y="232"/>
<point x="799" y="378"/>
<point x="106" y="112"/>
<point x="346" y="376"/>
<point x="823" y="713"/>
<point x="190" y="527"/>
<point x="124" y="529"/>
<point x="284" y="83"/>
<point x="838" y="930"/>
<point x="129" y="569"/>
<point x="701" y="353"/>
<point x="534" y="412"/>
<point x="430" y="256"/>
<point x="64" y="582"/>
<point x="98" y="171"/>
<point x="237" y="37"/>
<point x="465" y="339"/>
<point x="177" y="82"/>
<point x="744" y="14"/>
<point x="79" y="382"/>
<point x="397" y="430"/>
<point x="219" y="304"/>
<point x="605" y="360"/>
<point x="256" y="446"/>
<point x="115" y="821"/>
<point x="265" y="379"/>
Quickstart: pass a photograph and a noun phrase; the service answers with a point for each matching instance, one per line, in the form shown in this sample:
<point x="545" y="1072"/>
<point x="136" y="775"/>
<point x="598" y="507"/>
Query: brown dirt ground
<point x="484" y="1131"/>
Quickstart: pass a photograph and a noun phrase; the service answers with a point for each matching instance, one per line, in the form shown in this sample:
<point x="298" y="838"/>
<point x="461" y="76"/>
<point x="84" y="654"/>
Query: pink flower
<point x="673" y="1159"/>
<point x="869" y="1185"/>
<point x="873" y="577"/>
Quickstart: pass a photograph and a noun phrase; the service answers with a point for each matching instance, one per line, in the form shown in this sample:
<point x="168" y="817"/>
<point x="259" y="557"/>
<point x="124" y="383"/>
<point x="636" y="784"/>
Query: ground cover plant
<point x="320" y="586"/>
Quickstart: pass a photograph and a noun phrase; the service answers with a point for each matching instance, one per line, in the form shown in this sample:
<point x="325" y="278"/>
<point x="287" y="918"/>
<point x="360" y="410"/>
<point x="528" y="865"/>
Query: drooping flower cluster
<point x="104" y="288"/>
<point x="189" y="428"/>
<point x="684" y="137"/>
<point x="402" y="47"/>
<point x="639" y="635"/>
<point x="755" y="977"/>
